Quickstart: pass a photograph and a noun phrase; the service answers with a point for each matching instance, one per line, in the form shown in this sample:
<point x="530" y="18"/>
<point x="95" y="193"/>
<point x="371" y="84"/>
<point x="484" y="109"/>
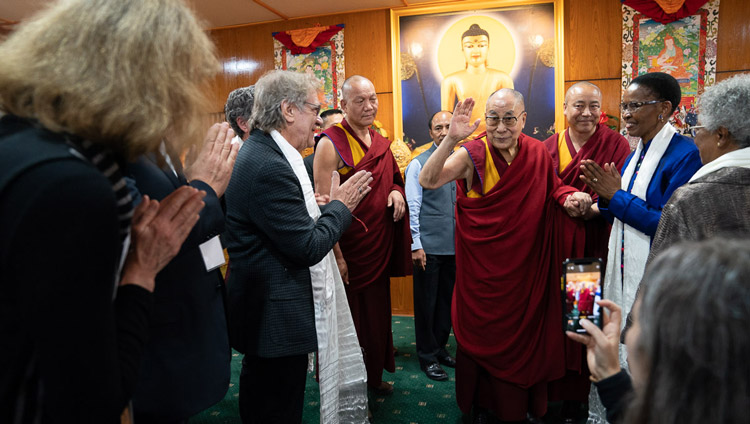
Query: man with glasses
<point x="377" y="245"/>
<point x="512" y="234"/>
<point x="585" y="138"/>
<point x="281" y="288"/>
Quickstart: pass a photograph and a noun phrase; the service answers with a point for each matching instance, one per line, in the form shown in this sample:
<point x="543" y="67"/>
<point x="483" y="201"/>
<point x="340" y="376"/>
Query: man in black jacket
<point x="185" y="368"/>
<point x="274" y="244"/>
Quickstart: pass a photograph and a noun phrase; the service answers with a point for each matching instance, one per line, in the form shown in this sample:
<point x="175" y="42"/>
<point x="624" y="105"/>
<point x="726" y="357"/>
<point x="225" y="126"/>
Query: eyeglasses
<point x="508" y="121"/>
<point x="315" y="107"/>
<point x="634" y="106"/>
<point x="694" y="129"/>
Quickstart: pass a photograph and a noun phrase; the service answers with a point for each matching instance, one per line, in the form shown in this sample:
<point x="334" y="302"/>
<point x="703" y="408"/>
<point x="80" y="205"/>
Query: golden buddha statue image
<point x="476" y="80"/>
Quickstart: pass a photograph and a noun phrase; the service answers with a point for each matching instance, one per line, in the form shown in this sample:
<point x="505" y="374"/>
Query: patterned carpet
<point x="415" y="400"/>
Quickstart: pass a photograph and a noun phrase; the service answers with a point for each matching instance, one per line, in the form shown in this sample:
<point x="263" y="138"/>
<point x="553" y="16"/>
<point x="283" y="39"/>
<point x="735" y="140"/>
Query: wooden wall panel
<point x="733" y="49"/>
<point x="610" y="89"/>
<point x="366" y="40"/>
<point x="593" y="30"/>
<point x="721" y="76"/>
<point x="402" y="296"/>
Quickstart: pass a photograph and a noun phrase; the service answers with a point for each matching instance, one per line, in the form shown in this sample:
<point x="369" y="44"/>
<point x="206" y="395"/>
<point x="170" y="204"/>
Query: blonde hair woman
<point x="85" y="86"/>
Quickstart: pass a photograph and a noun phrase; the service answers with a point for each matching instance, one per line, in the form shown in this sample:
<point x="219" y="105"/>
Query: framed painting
<point x="446" y="53"/>
<point x="318" y="51"/>
<point x="685" y="49"/>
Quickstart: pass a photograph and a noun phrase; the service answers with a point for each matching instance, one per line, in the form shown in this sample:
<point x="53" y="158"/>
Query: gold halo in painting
<point x="502" y="48"/>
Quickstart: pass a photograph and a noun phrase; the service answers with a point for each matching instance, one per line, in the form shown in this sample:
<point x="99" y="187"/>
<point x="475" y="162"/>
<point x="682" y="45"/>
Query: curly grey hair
<point x="693" y="341"/>
<point x="725" y="105"/>
<point x="275" y="87"/>
<point x="239" y="105"/>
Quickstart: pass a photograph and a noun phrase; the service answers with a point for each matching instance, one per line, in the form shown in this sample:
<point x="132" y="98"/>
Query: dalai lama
<point x="512" y="233"/>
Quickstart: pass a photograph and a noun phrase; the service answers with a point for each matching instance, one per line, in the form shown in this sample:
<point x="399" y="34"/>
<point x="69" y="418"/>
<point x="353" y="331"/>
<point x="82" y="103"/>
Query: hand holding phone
<point x="581" y="289"/>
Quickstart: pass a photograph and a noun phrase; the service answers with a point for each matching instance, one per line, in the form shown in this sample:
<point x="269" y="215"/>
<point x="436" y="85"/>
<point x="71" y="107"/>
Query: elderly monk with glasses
<point x="512" y="233"/>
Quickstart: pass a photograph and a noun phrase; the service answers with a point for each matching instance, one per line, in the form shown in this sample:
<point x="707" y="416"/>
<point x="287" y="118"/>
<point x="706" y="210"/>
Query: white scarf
<point x="738" y="158"/>
<point x="343" y="379"/>
<point x="636" y="244"/>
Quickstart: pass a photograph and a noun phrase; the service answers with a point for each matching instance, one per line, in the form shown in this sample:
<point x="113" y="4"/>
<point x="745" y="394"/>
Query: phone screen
<point x="582" y="287"/>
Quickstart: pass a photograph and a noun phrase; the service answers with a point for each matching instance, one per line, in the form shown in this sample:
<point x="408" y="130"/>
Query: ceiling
<point x="221" y="13"/>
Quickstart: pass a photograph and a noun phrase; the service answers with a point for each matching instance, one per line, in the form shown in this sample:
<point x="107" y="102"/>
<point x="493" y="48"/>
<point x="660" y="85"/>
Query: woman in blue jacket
<point x="663" y="161"/>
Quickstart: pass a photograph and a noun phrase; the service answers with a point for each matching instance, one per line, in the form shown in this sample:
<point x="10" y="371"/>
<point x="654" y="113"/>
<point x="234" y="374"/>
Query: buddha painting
<point x="476" y="80"/>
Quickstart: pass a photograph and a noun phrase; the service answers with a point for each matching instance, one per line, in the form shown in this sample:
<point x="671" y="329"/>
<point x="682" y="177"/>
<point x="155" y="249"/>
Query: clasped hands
<point x="578" y="204"/>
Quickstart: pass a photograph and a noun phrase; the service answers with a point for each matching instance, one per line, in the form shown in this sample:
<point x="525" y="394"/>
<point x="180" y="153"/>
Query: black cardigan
<point x="68" y="350"/>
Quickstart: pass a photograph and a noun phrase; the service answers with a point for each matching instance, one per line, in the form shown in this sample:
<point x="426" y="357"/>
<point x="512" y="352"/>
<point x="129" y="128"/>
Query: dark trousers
<point x="272" y="390"/>
<point x="433" y="290"/>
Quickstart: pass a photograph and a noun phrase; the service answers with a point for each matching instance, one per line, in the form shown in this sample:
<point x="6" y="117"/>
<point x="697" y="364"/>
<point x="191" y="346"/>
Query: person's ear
<point x="666" y="110"/>
<point x="723" y="135"/>
<point x="242" y="123"/>
<point x="288" y="111"/>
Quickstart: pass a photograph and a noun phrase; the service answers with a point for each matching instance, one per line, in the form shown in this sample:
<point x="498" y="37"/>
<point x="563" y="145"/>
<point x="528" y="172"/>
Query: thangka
<point x="318" y="51"/>
<point x="685" y="49"/>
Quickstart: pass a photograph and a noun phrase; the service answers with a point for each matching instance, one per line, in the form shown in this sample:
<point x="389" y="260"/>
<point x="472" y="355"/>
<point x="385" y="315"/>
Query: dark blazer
<point x="185" y="368"/>
<point x="272" y="242"/>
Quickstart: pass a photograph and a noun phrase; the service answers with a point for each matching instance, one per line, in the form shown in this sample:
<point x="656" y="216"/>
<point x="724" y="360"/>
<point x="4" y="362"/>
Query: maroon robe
<point x="604" y="146"/>
<point x="375" y="248"/>
<point x="510" y="244"/>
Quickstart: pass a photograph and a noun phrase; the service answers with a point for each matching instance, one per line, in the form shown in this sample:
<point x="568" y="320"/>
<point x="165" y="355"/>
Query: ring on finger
<point x="359" y="190"/>
<point x="596" y="180"/>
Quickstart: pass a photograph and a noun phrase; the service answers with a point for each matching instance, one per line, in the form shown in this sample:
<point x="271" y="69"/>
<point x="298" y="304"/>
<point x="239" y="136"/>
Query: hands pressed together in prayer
<point x="159" y="229"/>
<point x="602" y="346"/>
<point x="603" y="181"/>
<point x="214" y="162"/>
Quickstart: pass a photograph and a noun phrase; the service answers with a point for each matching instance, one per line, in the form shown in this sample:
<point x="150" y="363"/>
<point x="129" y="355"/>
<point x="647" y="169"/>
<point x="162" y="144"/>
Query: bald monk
<point x="585" y="138"/>
<point x="511" y="236"/>
<point x="377" y="245"/>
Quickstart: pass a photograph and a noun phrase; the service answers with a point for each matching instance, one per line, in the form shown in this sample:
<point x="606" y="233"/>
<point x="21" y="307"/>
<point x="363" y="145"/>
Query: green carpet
<point x="416" y="399"/>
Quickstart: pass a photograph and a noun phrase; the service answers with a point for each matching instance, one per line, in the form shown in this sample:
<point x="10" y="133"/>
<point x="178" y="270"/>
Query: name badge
<point x="213" y="255"/>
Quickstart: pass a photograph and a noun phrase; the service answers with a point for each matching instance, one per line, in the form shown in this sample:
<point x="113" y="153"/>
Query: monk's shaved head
<point x="505" y="92"/>
<point x="359" y="101"/>
<point x="583" y="86"/>
<point x="349" y="83"/>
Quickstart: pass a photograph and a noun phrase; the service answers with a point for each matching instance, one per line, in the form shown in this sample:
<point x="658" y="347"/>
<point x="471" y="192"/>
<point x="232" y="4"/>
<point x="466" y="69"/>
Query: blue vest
<point x="437" y="216"/>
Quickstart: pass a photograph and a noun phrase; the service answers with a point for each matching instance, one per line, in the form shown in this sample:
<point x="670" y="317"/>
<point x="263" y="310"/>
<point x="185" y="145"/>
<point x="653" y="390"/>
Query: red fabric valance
<point x="307" y="40"/>
<point x="666" y="11"/>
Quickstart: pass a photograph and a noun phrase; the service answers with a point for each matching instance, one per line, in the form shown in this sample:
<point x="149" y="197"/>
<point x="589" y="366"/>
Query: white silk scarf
<point x="342" y="375"/>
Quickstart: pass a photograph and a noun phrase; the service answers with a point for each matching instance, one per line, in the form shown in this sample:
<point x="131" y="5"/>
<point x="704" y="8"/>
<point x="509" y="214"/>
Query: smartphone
<point x="581" y="289"/>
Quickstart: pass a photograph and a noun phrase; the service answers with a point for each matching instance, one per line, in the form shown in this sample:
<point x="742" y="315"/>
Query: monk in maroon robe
<point x="377" y="245"/>
<point x="512" y="234"/>
<point x="585" y="138"/>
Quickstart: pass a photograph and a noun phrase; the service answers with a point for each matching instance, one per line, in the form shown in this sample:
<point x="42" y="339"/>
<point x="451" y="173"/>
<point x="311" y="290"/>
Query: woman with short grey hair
<point x="725" y="105"/>
<point x="238" y="109"/>
<point x="285" y="297"/>
<point x="716" y="199"/>
<point x="688" y="346"/>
